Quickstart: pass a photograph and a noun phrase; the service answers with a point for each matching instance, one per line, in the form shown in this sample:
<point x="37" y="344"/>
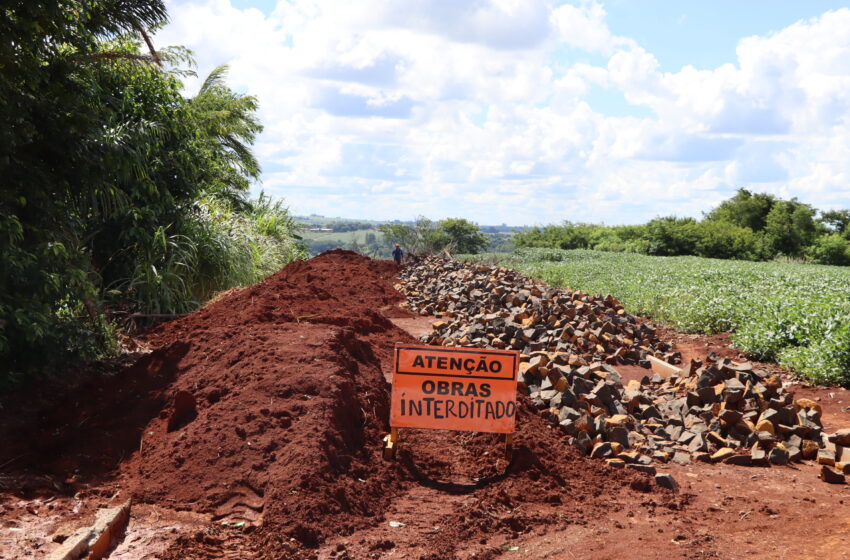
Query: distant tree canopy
<point x="745" y="209"/>
<point x="461" y="236"/>
<point x="838" y="221"/>
<point x="750" y="226"/>
<point x="426" y="236"/>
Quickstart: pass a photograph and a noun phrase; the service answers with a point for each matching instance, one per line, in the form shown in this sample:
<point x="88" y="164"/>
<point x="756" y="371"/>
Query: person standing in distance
<point x="397" y="254"/>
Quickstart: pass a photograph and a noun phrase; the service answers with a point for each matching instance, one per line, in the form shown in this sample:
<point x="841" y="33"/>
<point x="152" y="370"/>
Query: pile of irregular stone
<point x="490" y="307"/>
<point x="717" y="411"/>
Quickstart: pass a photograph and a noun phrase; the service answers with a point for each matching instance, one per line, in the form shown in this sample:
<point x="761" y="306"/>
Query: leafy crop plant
<point x="795" y="314"/>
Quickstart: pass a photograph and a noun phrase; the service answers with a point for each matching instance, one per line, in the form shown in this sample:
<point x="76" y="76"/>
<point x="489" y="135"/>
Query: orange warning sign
<point x="462" y="389"/>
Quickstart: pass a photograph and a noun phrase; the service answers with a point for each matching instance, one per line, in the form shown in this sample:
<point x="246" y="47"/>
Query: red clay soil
<point x="281" y="453"/>
<point x="290" y="394"/>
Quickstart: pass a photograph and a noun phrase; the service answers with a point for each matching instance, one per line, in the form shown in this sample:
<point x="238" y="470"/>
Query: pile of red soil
<point x="291" y="402"/>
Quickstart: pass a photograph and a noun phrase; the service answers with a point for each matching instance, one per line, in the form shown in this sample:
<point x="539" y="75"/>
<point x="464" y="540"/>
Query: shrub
<point x="830" y="249"/>
<point x="672" y="236"/>
<point x="719" y="240"/>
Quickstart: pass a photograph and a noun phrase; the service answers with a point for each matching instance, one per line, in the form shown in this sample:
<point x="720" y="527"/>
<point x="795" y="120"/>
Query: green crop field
<point x="369" y="242"/>
<point x="794" y="314"/>
<point x="341" y="237"/>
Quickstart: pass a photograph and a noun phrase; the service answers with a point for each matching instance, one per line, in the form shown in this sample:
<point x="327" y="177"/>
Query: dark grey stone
<point x="674" y="432"/>
<point x="666" y="480"/>
<point x="602" y="450"/>
<point x="568" y="426"/>
<point x="584" y="442"/>
<point x="831" y="476"/>
<point x="697" y="444"/>
<point x="693" y="399"/>
<point x="740" y="460"/>
<point x="685" y="437"/>
<point x="647" y="469"/>
<point x="620" y="435"/>
<point x="682" y="458"/>
<point x="730" y="416"/>
<point x="794" y="453"/>
<point x="778" y="456"/>
<point x="548" y="394"/>
<point x="707" y="395"/>
<point x="569" y="413"/>
<point x="841" y="437"/>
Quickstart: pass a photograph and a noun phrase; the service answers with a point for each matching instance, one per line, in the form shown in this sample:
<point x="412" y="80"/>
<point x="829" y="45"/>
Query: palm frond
<point x="111" y="17"/>
<point x="214" y="80"/>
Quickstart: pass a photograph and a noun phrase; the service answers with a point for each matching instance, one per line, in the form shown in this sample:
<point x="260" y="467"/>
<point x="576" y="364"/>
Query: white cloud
<point x="390" y="109"/>
<point x="583" y="26"/>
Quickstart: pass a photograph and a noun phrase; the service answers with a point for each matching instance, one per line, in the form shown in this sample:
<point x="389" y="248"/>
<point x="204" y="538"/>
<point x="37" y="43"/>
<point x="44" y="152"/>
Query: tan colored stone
<point x="774" y="382"/>
<point x="826" y="459"/>
<point x="722" y="454"/>
<point x="766" y="426"/>
<point x="562" y="384"/>
<point x="807" y="403"/>
<point x="629" y="456"/>
<point x="810" y="449"/>
<point x="715" y="438"/>
<point x="617" y="420"/>
<point x="108" y="524"/>
<point x="74" y="546"/>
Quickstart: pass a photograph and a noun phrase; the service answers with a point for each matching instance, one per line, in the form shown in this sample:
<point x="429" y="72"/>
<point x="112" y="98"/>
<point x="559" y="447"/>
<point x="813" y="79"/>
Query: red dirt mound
<point x="287" y="393"/>
<point x="336" y="288"/>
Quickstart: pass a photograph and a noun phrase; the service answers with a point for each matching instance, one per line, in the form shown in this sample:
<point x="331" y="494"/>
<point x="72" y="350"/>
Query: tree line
<point x="120" y="197"/>
<point x="425" y="236"/>
<point x="747" y="226"/>
<point x="420" y="236"/>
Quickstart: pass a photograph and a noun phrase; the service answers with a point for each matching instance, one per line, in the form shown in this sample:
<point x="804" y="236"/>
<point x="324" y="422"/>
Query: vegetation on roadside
<point x="748" y="226"/>
<point x="797" y="315"/>
<point x="120" y="195"/>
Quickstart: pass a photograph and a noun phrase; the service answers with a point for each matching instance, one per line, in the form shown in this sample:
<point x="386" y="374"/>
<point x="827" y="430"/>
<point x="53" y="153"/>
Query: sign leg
<point x="509" y="447"/>
<point x="390" y="444"/>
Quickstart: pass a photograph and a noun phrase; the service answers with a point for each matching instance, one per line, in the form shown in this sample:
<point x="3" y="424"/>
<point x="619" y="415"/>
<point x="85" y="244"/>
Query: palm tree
<point x="228" y="121"/>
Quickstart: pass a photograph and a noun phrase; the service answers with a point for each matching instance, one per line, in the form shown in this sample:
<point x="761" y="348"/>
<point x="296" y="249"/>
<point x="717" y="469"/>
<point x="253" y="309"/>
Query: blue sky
<point x="533" y="111"/>
<point x="704" y="34"/>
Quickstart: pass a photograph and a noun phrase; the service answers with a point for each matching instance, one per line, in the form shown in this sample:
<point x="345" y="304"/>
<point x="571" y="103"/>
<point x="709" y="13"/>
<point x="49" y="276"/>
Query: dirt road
<point x="280" y="455"/>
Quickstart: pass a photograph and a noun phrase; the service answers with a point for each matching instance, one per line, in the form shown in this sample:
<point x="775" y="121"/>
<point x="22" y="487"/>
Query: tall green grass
<point x="217" y="248"/>
<point x="795" y="314"/>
